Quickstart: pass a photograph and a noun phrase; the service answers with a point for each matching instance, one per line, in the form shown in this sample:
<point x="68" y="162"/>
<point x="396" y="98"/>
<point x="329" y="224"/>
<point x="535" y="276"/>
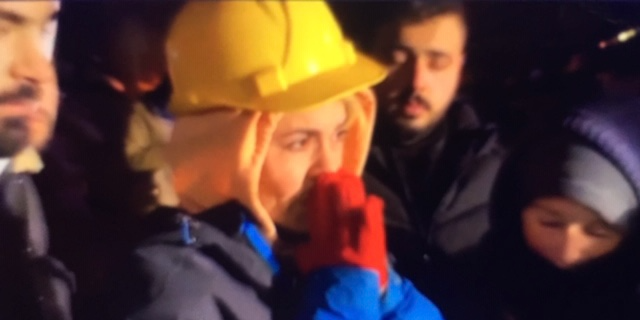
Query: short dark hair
<point x="413" y="11"/>
<point x="363" y="21"/>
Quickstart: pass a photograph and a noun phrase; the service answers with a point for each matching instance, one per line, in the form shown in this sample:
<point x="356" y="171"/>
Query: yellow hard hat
<point x="263" y="56"/>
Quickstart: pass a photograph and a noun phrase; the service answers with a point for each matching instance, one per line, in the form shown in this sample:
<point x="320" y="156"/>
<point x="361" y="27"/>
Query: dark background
<point x="525" y="58"/>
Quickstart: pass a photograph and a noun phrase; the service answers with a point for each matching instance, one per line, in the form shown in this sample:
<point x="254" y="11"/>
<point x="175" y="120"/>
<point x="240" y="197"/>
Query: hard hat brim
<point x="326" y="87"/>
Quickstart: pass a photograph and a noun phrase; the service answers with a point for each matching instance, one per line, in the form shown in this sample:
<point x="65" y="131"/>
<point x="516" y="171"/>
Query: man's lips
<point x="27" y="104"/>
<point x="18" y="108"/>
<point x="414" y="109"/>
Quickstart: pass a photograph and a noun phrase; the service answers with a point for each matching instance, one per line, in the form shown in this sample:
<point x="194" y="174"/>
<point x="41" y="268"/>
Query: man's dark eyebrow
<point x="12" y="17"/>
<point x="400" y="46"/>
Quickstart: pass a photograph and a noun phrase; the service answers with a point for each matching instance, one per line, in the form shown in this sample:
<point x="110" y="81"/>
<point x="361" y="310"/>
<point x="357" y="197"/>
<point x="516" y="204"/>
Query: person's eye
<point x="5" y="28"/>
<point x="439" y="61"/>
<point x="552" y="224"/>
<point x="341" y="135"/>
<point x="298" y="144"/>
<point x="600" y="231"/>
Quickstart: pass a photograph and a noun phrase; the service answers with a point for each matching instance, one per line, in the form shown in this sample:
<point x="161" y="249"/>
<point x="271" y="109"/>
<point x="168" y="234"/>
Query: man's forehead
<point x="446" y="32"/>
<point x="31" y="11"/>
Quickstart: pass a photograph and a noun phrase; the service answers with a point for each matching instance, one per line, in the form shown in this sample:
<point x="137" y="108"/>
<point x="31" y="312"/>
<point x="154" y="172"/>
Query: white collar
<point x="26" y="161"/>
<point x="4" y="163"/>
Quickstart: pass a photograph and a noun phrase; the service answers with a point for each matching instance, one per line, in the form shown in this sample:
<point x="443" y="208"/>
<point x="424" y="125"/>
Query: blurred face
<point x="425" y="61"/>
<point x="28" y="88"/>
<point x="566" y="233"/>
<point x="304" y="145"/>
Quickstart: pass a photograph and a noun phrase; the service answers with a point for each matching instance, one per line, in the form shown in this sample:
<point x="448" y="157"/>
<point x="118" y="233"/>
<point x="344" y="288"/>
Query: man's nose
<point x="421" y="75"/>
<point x="30" y="63"/>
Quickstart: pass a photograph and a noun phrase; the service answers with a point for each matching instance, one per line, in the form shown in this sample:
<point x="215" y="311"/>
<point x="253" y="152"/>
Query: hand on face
<point x="304" y="144"/>
<point x="218" y="156"/>
<point x="346" y="226"/>
<point x="231" y="154"/>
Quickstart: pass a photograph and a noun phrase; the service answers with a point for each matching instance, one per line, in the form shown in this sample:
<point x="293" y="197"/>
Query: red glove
<point x="345" y="226"/>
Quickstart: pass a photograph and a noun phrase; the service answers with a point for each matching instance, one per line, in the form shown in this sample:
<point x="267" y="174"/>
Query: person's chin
<point x="414" y="124"/>
<point x="12" y="145"/>
<point x="41" y="134"/>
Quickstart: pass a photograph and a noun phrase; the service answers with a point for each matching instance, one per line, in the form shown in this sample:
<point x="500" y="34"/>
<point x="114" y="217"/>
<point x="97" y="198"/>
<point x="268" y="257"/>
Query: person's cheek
<point x="43" y="120"/>
<point x="537" y="238"/>
<point x="294" y="175"/>
<point x="279" y="180"/>
<point x="301" y="181"/>
<point x="49" y="41"/>
<point x="6" y="55"/>
<point x="51" y="98"/>
<point x="600" y="246"/>
<point x="446" y="89"/>
<point x="268" y="187"/>
<point x="549" y="243"/>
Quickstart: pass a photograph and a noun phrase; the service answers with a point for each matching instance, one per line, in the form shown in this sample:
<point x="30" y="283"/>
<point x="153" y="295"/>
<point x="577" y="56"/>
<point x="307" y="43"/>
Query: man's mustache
<point x="24" y="92"/>
<point x="408" y="96"/>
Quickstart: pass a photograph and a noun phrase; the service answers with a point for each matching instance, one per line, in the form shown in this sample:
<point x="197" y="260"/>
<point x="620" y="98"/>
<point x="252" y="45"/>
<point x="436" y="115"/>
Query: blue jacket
<point x="218" y="266"/>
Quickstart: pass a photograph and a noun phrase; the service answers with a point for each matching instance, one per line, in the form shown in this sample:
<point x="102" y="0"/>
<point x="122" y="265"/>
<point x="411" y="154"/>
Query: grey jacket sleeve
<point x="180" y="283"/>
<point x="166" y="285"/>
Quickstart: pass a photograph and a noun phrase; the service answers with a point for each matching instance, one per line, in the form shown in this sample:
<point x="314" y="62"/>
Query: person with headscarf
<point x="564" y="238"/>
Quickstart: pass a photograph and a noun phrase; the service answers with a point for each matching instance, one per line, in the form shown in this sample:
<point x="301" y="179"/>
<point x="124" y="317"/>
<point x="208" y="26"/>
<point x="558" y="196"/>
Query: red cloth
<point x="346" y="226"/>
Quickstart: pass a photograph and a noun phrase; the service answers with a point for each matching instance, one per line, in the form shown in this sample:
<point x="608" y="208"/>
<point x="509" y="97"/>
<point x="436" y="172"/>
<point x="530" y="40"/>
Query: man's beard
<point x="14" y="131"/>
<point x="397" y="122"/>
<point x="14" y="136"/>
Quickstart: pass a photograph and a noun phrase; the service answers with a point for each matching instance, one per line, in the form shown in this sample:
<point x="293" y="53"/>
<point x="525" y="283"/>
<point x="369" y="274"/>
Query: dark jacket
<point x="524" y="286"/>
<point x="33" y="284"/>
<point x="218" y="266"/>
<point x="91" y="196"/>
<point x="443" y="181"/>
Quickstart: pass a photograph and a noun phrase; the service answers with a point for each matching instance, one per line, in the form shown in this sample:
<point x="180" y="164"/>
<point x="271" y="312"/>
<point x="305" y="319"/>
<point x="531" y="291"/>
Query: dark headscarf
<point x="530" y="287"/>
<point x="570" y="168"/>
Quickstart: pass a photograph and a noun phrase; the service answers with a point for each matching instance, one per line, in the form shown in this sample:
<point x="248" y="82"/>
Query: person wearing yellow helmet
<point x="274" y="117"/>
